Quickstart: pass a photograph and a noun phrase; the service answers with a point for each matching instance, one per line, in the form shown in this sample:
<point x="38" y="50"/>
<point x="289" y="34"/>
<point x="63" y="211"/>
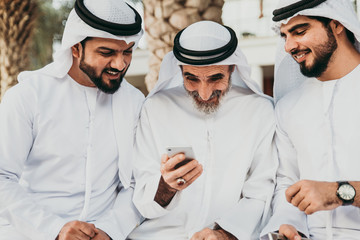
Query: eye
<point x="192" y="79"/>
<point x="299" y="33"/>
<point x="106" y="53"/>
<point x="128" y="52"/>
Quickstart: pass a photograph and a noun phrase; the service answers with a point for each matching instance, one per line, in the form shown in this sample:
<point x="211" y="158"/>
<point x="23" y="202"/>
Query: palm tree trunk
<point x="164" y="18"/>
<point x="16" y="23"/>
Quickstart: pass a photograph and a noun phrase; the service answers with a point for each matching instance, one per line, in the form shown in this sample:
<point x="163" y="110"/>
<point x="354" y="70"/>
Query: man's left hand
<point x="100" y="235"/>
<point x="312" y="196"/>
<point x="210" y="234"/>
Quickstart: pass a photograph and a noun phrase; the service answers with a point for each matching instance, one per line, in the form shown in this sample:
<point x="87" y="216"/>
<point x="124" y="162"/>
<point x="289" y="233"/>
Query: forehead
<point x="205" y="70"/>
<point x="108" y="42"/>
<point x="297" y="20"/>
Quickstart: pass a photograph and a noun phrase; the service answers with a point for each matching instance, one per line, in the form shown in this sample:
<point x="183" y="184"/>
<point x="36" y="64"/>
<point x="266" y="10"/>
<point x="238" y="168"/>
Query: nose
<point x="118" y="62"/>
<point x="290" y="44"/>
<point x="205" y="91"/>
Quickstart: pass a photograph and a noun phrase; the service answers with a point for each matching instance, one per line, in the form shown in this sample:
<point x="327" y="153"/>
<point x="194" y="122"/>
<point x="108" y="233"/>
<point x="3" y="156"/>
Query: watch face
<point x="346" y="192"/>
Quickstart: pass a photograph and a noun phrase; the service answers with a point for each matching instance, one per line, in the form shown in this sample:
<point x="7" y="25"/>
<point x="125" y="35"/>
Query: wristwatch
<point x="346" y="193"/>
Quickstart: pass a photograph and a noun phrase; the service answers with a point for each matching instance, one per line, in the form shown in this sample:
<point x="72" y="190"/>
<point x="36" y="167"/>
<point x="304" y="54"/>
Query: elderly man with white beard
<point x="205" y="99"/>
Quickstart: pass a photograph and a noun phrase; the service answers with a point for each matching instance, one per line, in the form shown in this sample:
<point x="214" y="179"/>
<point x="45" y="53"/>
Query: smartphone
<point x="187" y="151"/>
<point x="277" y="236"/>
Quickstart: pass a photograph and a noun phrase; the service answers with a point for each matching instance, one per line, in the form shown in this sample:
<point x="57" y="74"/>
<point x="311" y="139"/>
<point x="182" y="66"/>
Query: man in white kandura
<point x="67" y="134"/>
<point x="317" y="86"/>
<point x="205" y="99"/>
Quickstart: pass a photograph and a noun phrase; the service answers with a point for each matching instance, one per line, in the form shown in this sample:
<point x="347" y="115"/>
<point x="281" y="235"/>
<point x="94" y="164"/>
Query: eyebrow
<point x="187" y="74"/>
<point x="297" y="26"/>
<point x="215" y="76"/>
<point x="111" y="49"/>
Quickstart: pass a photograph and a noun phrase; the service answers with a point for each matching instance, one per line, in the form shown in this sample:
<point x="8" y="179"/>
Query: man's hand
<point x="210" y="234"/>
<point x="77" y="230"/>
<point x="312" y="196"/>
<point x="289" y="232"/>
<point x="189" y="172"/>
<point x="168" y="184"/>
<point x="100" y="235"/>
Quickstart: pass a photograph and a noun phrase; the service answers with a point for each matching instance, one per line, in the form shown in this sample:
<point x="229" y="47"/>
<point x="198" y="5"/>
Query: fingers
<point x="292" y="191"/>
<point x="289" y="232"/>
<point x="88" y="229"/>
<point x="207" y="234"/>
<point x="189" y="171"/>
<point x="193" y="174"/>
<point x="77" y="230"/>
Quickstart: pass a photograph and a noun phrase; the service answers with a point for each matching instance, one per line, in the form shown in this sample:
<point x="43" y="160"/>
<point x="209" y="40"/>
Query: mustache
<point x="296" y="51"/>
<point x="113" y="70"/>
<point x="214" y="94"/>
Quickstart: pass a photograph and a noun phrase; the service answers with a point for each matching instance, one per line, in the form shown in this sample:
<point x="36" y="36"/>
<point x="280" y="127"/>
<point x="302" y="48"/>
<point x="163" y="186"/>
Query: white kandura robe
<point x="318" y="139"/>
<point x="61" y="148"/>
<point x="235" y="147"/>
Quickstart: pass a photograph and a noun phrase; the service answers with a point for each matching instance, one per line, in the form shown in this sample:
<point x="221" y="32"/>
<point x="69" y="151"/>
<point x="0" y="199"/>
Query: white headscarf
<point x="76" y="30"/>
<point x="202" y="36"/>
<point x="287" y="70"/>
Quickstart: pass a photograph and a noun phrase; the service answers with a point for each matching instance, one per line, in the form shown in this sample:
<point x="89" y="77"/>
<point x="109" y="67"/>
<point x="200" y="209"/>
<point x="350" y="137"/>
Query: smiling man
<point x="317" y="92"/>
<point x="205" y="99"/>
<point x="67" y="134"/>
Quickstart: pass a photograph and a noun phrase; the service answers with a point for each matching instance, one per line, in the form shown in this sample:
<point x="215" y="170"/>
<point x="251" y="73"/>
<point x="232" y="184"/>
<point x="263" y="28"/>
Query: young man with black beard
<point x="211" y="104"/>
<point x="318" y="114"/>
<point x="67" y="134"/>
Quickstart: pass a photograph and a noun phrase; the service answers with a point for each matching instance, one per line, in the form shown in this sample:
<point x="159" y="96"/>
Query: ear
<point x="337" y="27"/>
<point x="76" y="49"/>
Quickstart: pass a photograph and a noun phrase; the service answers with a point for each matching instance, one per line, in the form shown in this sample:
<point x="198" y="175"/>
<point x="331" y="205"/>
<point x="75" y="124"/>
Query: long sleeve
<point x="246" y="218"/>
<point x="287" y="174"/>
<point x="16" y="206"/>
<point x="119" y="221"/>
<point x="147" y="171"/>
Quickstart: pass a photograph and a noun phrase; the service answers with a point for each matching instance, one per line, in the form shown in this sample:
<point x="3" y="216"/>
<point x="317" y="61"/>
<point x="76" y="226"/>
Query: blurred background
<point x="31" y="31"/>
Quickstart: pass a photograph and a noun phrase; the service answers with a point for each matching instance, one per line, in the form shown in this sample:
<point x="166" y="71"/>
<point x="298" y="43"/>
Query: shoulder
<point x="247" y="99"/>
<point x="172" y="95"/>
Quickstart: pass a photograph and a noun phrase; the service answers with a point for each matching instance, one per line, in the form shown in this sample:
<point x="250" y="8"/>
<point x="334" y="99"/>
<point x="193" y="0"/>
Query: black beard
<point x="110" y="88"/>
<point x="321" y="61"/>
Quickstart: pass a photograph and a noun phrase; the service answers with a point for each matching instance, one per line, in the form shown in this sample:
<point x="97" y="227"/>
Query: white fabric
<point x="234" y="145"/>
<point x="114" y="11"/>
<point x="60" y="154"/>
<point x="216" y="36"/>
<point x="317" y="139"/>
<point x="287" y="71"/>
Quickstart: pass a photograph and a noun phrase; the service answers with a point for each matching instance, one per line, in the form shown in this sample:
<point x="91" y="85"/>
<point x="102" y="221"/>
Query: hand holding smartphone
<point x="187" y="151"/>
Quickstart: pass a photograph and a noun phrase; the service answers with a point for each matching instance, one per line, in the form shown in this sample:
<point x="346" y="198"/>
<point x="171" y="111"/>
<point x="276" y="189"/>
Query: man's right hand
<point x="189" y="172"/>
<point x="289" y="232"/>
<point x="77" y="230"/>
<point x="168" y="184"/>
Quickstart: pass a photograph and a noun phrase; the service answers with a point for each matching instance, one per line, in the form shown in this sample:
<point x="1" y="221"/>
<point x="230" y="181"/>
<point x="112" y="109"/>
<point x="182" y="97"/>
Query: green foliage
<point x="48" y="29"/>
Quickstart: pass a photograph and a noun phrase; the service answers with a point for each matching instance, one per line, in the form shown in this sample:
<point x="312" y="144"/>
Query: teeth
<point x="111" y="72"/>
<point x="299" y="56"/>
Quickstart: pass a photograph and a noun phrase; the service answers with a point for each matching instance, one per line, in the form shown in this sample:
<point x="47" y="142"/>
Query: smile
<point x="113" y="73"/>
<point x="299" y="56"/>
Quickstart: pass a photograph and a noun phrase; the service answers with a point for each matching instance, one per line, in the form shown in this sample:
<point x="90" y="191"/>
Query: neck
<point x="344" y="60"/>
<point x="79" y="76"/>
